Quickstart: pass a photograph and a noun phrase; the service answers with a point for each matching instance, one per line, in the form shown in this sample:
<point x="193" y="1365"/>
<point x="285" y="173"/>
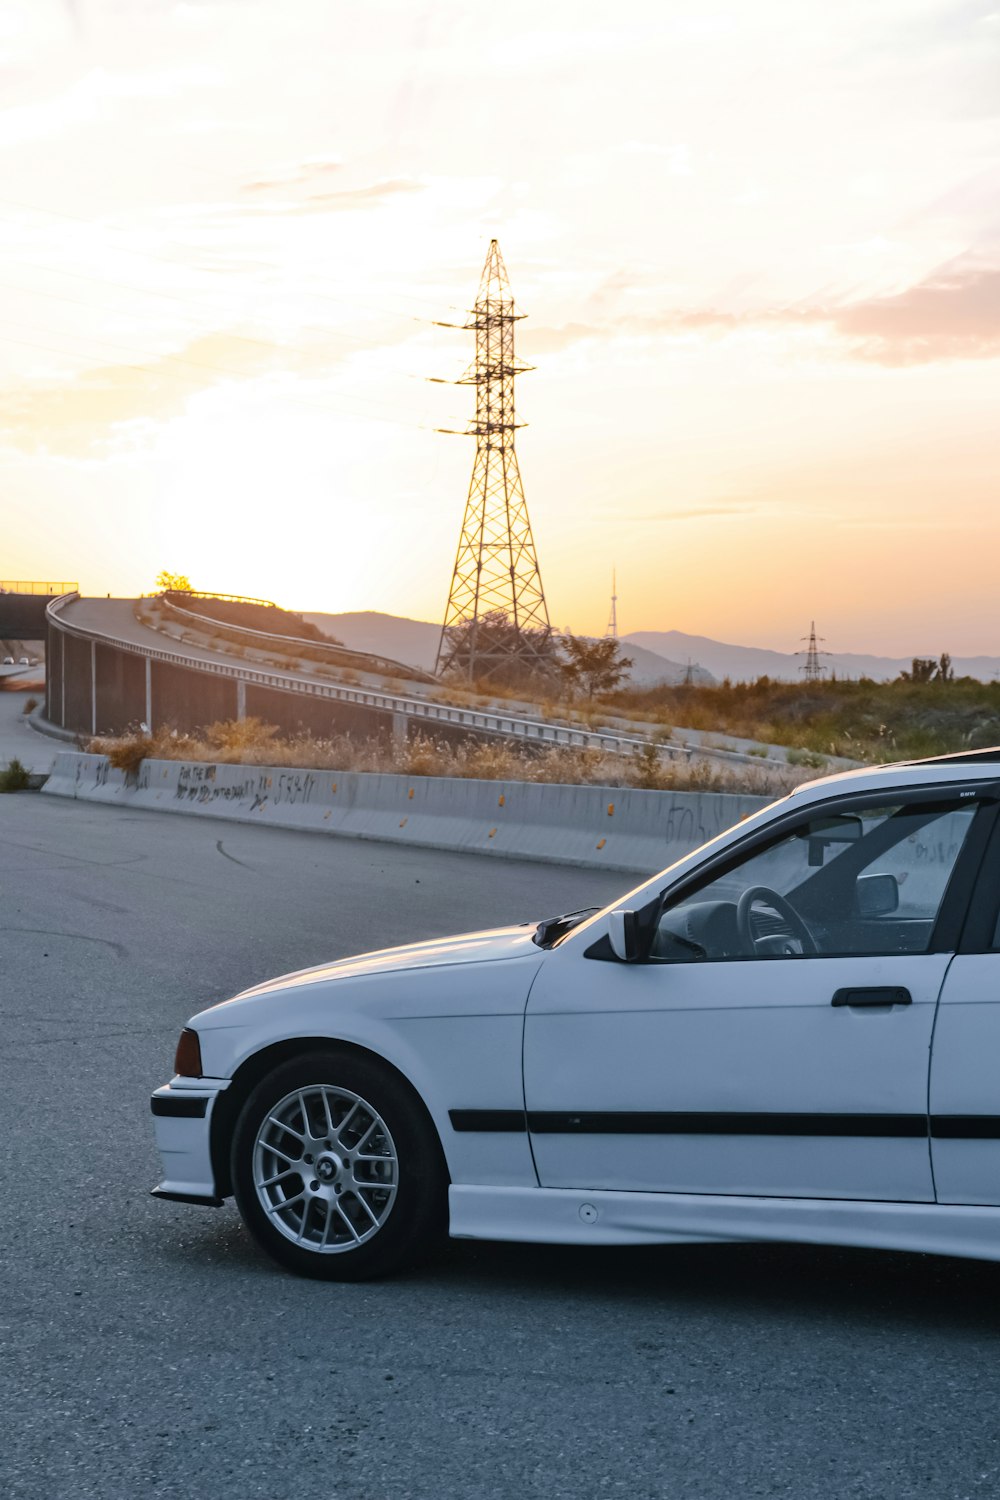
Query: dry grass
<point x="252" y="742"/>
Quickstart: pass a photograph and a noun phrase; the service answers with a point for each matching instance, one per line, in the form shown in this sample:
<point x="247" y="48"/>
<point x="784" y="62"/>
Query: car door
<point x="776" y="1041"/>
<point x="965" y="1063"/>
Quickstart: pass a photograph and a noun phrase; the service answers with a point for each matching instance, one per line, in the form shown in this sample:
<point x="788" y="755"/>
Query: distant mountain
<point x="415" y="643"/>
<point x="744" y="663"/>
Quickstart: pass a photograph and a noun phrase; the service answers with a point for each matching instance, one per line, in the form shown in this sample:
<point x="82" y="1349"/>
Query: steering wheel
<point x="762" y="895"/>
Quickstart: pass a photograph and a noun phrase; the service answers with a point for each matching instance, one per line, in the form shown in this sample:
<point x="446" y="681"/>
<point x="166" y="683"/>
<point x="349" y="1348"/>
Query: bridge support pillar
<point x="399" y="729"/>
<point x="241" y="698"/>
<point x="93" y="687"/>
<point x="149" y="694"/>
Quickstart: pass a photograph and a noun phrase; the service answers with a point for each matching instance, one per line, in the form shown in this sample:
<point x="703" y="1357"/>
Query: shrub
<point x="14" y="778"/>
<point x="806" y="758"/>
<point x="128" y="753"/>
<point x="235" y="736"/>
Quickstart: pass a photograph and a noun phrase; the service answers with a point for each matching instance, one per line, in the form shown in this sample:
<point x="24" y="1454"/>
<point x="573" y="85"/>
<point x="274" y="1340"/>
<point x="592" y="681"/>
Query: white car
<point x="791" y="1034"/>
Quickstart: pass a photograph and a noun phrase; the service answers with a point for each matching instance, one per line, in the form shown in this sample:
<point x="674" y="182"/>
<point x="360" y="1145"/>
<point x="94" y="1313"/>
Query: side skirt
<point x="568" y="1216"/>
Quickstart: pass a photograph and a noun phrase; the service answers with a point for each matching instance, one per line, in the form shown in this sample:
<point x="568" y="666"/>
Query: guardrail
<point x="212" y="594"/>
<point x="21" y="586"/>
<point x="366" y="661"/>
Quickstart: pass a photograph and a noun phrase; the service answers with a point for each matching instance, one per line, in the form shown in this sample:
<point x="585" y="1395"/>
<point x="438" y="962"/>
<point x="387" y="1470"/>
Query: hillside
<point x="416" y="642"/>
<point x="746" y="663"/>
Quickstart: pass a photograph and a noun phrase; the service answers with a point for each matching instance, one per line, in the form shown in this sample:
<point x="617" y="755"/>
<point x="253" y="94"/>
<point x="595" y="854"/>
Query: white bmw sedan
<point x="791" y="1034"/>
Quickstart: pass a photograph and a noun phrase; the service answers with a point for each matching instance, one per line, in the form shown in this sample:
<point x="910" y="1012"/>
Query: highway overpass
<point x="107" y="670"/>
<point x="23" y="605"/>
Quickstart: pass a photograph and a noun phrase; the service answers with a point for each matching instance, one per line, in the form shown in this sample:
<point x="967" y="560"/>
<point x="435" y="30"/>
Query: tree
<point x="926" y="669"/>
<point x="494" y="648"/>
<point x="173" y="583"/>
<point x="593" y="666"/>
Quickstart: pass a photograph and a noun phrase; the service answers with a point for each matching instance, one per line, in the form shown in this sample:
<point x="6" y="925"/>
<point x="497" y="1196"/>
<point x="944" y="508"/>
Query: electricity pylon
<point x="496" y="616"/>
<point x="612" y="629"/>
<point x="813" y="667"/>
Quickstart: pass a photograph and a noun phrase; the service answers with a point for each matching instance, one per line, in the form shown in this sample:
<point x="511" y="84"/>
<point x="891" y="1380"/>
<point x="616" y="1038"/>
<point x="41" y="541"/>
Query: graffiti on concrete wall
<point x="200" y="784"/>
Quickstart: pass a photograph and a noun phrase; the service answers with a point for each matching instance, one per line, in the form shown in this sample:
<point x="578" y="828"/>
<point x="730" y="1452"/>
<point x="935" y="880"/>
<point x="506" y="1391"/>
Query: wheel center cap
<point x="327" y="1168"/>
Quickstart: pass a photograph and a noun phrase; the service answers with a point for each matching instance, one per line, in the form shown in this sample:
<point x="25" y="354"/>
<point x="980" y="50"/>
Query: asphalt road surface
<point x="18" y="740"/>
<point x="147" y="1349"/>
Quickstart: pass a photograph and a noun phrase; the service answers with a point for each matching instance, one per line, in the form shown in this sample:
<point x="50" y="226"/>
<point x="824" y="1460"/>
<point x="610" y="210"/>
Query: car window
<point x="869" y="882"/>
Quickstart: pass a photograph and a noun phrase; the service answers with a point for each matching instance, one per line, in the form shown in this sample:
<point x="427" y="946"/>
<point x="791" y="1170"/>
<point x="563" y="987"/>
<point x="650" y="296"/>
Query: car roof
<point x="940" y="770"/>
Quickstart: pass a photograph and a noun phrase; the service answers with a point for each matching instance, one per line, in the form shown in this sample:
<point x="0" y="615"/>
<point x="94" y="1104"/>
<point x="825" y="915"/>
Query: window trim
<point x="983" y="912"/>
<point x="960" y="892"/>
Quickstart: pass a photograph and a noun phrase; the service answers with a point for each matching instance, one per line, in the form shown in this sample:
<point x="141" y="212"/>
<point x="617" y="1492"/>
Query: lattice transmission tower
<point x="612" y="630"/>
<point x="496" y="617"/>
<point x="813" y="667"/>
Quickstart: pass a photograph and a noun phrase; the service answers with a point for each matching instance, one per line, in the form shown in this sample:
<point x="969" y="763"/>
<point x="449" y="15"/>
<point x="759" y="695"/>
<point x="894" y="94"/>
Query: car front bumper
<point x="182" y="1120"/>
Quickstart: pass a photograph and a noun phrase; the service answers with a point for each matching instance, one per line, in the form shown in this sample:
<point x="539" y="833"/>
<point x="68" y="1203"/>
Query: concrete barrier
<point x="613" y="828"/>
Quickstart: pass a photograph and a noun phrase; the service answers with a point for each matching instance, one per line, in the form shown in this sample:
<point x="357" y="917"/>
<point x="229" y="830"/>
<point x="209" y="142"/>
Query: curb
<point x="37" y="721"/>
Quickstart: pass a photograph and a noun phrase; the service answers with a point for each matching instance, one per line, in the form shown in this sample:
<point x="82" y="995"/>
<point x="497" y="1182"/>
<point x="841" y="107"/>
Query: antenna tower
<point x="612" y="629"/>
<point x="496" y="616"/>
<point x="813" y="667"/>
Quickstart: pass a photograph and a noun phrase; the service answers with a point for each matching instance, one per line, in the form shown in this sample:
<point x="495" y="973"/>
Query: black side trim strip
<point x="684" y="1122"/>
<point x="491" y="1120"/>
<point x="179" y="1107"/>
<point x="641" y="1122"/>
<point x="965" y="1127"/>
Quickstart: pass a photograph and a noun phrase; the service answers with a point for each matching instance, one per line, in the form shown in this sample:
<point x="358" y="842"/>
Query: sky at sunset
<point x="758" y="243"/>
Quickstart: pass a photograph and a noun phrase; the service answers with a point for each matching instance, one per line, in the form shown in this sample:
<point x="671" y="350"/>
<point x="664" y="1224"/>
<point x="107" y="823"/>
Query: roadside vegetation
<point x="14" y="777"/>
<point x="252" y="742"/>
<point x="864" y="720"/>
<point x="925" y="711"/>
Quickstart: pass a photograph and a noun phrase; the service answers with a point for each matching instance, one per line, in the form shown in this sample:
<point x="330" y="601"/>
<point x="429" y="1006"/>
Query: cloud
<point x="98" y="96"/>
<point x="542" y="340"/>
<point x="301" y="175"/>
<point x="954" y="314"/>
<point x="70" y="414"/>
<point x="736" y="506"/>
<point x="315" y="174"/>
<point x="368" y="197"/>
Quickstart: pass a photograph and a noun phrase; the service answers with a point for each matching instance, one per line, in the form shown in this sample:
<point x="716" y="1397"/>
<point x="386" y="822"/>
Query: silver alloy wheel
<point x="325" y="1168"/>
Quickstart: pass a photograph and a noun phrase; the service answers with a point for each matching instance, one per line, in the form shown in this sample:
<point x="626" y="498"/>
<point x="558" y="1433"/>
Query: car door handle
<point x="888" y="994"/>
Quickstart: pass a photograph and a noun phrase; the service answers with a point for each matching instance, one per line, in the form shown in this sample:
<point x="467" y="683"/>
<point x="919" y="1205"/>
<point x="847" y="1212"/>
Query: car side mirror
<point x="623" y="935"/>
<point x="878" y="895"/>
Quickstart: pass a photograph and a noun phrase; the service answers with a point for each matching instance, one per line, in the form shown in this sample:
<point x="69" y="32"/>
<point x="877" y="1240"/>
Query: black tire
<point x="416" y="1215"/>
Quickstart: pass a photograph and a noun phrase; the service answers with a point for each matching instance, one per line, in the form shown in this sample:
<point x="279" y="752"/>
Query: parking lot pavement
<point x="147" y="1348"/>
